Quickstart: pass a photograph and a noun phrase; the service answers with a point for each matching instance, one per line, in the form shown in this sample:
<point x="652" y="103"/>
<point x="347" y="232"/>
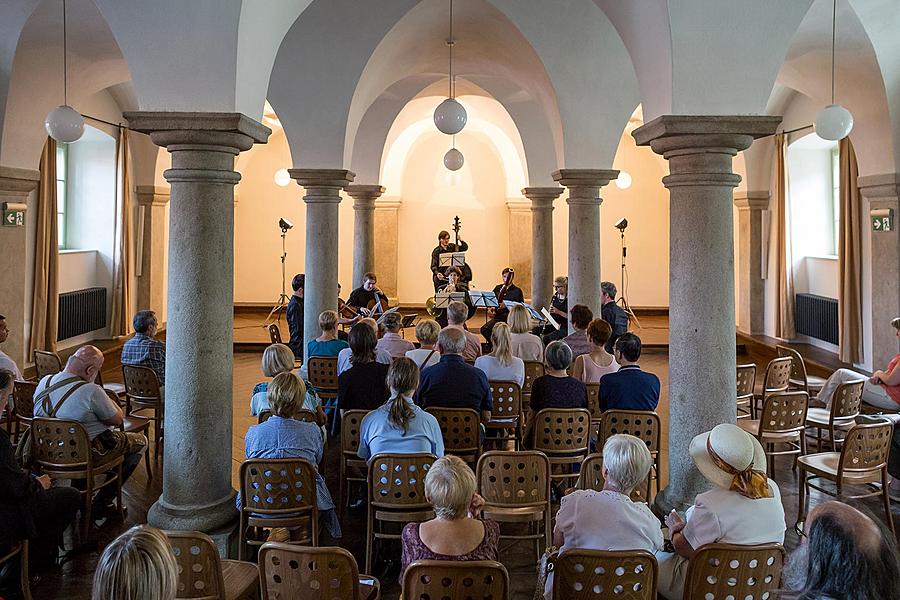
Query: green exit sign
<point x="882" y="219"/>
<point x="13" y="218"/>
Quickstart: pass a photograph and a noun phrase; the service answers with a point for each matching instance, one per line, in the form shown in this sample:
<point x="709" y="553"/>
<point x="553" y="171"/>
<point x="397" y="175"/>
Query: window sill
<point x="74" y="251"/>
<point x="823" y="256"/>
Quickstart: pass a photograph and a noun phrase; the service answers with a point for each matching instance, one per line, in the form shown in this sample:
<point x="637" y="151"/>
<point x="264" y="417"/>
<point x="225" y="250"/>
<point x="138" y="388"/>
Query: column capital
<point x="751" y="200"/>
<point x="542" y="197"/>
<point x="322" y="185"/>
<point x="152" y="195"/>
<point x="884" y="186"/>
<point x="584" y="184"/>
<point x="235" y="130"/>
<point x="364" y="196"/>
<point x="518" y="205"/>
<point x="18" y="182"/>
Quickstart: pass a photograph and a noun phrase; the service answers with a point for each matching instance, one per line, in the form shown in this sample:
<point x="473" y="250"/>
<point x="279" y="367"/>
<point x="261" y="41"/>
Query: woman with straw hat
<point x="743" y="507"/>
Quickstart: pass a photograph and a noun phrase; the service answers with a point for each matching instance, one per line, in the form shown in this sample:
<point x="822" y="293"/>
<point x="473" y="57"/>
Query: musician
<point x="559" y="308"/>
<point x="500" y="314"/>
<point x="455" y="284"/>
<point x="439" y="273"/>
<point x="365" y="299"/>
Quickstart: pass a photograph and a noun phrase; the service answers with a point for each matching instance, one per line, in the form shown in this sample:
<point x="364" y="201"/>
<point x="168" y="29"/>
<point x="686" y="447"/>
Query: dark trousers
<point x="894" y="456"/>
<point x="54" y="510"/>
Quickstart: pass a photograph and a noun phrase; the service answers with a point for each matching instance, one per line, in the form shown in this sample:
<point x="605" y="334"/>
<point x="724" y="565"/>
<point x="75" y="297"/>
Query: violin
<point x="345" y="310"/>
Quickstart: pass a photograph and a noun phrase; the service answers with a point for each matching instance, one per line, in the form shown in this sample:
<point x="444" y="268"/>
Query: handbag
<point x="545" y="566"/>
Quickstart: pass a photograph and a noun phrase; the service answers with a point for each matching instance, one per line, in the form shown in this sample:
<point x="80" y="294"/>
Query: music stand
<point x="484" y="299"/>
<point x="408" y="320"/>
<point x="531" y="310"/>
<point x="452" y="259"/>
<point x="443" y="299"/>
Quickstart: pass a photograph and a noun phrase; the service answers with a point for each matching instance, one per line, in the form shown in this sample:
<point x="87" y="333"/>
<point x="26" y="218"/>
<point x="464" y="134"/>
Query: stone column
<point x="520" y="241"/>
<point x="541" y="242"/>
<point x="702" y="345"/>
<point x="752" y="314"/>
<point x="387" y="227"/>
<point x="197" y="492"/>
<point x="883" y="192"/>
<point x="364" y="197"/>
<point x="152" y="202"/>
<point x="584" y="232"/>
<point x="15" y="186"/>
<point x="323" y="197"/>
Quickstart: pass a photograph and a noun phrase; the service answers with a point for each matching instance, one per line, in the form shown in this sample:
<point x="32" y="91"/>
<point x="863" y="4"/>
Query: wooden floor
<point x="73" y="580"/>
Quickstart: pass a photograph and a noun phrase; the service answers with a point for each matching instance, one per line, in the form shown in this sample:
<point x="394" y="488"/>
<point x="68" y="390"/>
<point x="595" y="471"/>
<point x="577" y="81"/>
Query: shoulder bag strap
<point x="427" y="358"/>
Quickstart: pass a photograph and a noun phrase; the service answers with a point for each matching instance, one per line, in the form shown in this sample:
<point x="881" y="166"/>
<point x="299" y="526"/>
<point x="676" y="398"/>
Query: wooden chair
<point x="720" y="571"/>
<point x="116" y="388"/>
<point x="777" y="379"/>
<point x="23" y="407"/>
<point x="289" y="571"/>
<point x="20" y="549"/>
<point x="506" y="417"/>
<point x="461" y="429"/>
<point x="274" y="333"/>
<point x="142" y="393"/>
<point x="302" y="414"/>
<point x="61" y="448"/>
<point x="353" y="468"/>
<point x="322" y="373"/>
<point x="591" y="574"/>
<point x="845" y="405"/>
<point x="202" y="575"/>
<point x="134" y="424"/>
<point x="800" y="379"/>
<point x="644" y="425"/>
<point x="277" y="492"/>
<point x="746" y="384"/>
<point x="396" y="495"/>
<point x="563" y="434"/>
<point x="590" y="477"/>
<point x="533" y="370"/>
<point x="516" y="489"/>
<point x="862" y="462"/>
<point x="46" y="363"/>
<point x="593" y="405"/>
<point x="783" y="421"/>
<point x="433" y="579"/>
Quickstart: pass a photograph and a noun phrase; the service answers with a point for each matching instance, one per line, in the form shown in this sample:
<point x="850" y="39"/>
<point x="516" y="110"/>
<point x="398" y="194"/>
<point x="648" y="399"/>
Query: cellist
<point x="507" y="290"/>
<point x="367" y="299"/>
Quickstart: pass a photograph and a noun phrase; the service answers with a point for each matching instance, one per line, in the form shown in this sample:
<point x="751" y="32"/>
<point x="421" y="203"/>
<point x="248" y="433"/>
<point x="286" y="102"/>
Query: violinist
<point x="347" y="315"/>
<point x="504" y="291"/>
<point x="559" y="308"/>
<point x="367" y="299"/>
<point x="454" y="284"/>
<point x="439" y="273"/>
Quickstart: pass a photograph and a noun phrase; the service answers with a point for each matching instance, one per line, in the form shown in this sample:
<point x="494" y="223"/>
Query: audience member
<point x="363" y="385"/>
<point x="295" y="315"/>
<point x="452" y="383"/>
<point x="844" y="554"/>
<point x="608" y="519"/>
<point x="399" y="426"/>
<point x="72" y="394"/>
<point x="137" y="565"/>
<point x="525" y="344"/>
<point x="143" y="349"/>
<point x="276" y="359"/>
<point x="743" y="507"/>
<point x="589" y="368"/>
<point x="5" y="361"/>
<point x="612" y="313"/>
<point x="501" y="365"/>
<point x="556" y="388"/>
<point x="577" y="340"/>
<point x="328" y="343"/>
<point x="392" y="342"/>
<point x="282" y="436"/>
<point x="344" y="356"/>
<point x="455" y="533"/>
<point x="29" y="507"/>
<point x="457" y="313"/>
<point x="629" y="388"/>
<point x="426" y="355"/>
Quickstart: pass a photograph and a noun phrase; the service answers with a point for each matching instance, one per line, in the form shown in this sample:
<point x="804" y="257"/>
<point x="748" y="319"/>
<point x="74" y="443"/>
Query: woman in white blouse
<point x="524" y="344"/>
<point x="501" y="365"/>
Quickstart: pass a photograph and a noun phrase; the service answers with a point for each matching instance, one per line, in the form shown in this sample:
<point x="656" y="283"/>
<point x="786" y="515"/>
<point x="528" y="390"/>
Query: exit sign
<point x="882" y="219"/>
<point x="13" y="218"/>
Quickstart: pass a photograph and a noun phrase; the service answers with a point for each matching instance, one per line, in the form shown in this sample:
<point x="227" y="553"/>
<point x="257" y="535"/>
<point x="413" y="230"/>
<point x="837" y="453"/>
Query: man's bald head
<point x="854" y="523"/>
<point x="85" y="363"/>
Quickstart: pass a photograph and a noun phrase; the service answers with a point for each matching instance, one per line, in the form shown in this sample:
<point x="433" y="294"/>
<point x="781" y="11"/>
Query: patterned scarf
<point x="750" y="483"/>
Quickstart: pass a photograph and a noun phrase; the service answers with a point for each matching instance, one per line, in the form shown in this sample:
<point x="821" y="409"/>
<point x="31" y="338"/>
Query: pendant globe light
<point x="834" y="122"/>
<point x="454" y="159"/>
<point x="450" y="116"/>
<point x="64" y="123"/>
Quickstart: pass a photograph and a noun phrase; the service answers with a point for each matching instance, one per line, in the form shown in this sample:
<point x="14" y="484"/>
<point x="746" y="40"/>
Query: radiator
<point x="81" y="311"/>
<point x="816" y="316"/>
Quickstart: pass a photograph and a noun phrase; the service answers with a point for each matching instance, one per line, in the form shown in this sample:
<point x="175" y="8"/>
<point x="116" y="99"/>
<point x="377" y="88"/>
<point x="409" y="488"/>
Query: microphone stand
<point x="283" y="299"/>
<point x="622" y="301"/>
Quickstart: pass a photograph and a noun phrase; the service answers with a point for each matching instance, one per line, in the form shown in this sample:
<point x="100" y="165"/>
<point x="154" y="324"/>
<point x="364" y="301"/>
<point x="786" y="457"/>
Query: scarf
<point x="750" y="483"/>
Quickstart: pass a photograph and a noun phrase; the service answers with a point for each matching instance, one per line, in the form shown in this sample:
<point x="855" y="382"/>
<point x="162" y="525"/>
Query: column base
<point x="216" y="517"/>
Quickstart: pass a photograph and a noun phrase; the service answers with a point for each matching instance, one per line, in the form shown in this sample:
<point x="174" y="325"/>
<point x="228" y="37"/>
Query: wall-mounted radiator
<point x="816" y="316"/>
<point x="81" y="311"/>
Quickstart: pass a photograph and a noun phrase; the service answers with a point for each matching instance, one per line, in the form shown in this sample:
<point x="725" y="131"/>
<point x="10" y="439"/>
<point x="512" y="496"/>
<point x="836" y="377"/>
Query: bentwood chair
<point x="289" y="571"/>
<point x="116" y="388"/>
<point x="302" y="414"/>
<point x="776" y="379"/>
<point x="800" y="378"/>
<point x="746" y="384"/>
<point x="23" y="407"/>
<point x="20" y="550"/>
<point x="533" y="370"/>
<point x="590" y="477"/>
<point x="274" y="333"/>
<point x="563" y="434"/>
<point x="202" y="575"/>
<point x="461" y="430"/>
<point x="142" y="393"/>
<point x="644" y="425"/>
<point x="322" y="372"/>
<point x="46" y="363"/>
<point x="725" y="571"/>
<point x="782" y="423"/>
<point x="134" y="424"/>
<point x="353" y="468"/>
<point x="433" y="579"/>
<point x="593" y="405"/>
<point x="841" y="417"/>
<point x="506" y="417"/>
<point x="590" y="574"/>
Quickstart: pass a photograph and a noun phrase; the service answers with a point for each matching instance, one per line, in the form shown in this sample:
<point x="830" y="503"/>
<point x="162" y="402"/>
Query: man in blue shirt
<point x="629" y="388"/>
<point x="452" y="383"/>
<point x="295" y="315"/>
<point x="144" y="350"/>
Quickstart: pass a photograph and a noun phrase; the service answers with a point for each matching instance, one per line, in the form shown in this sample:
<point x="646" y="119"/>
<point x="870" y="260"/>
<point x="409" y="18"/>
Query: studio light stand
<point x="283" y="299"/>
<point x="621" y="225"/>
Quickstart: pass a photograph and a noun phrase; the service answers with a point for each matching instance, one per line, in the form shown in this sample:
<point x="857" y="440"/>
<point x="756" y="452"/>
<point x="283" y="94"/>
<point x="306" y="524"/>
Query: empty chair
<point x="590" y="574"/>
<point x="563" y="434"/>
<point x="506" y="417"/>
<point x="746" y="384"/>
<point x="800" y="378"/>
<point x="323" y="376"/>
<point x="202" y="575"/>
<point x="533" y="370"/>
<point x="840" y="417"/>
<point x="275" y="333"/>
<point x="142" y="393"/>
<point x="353" y="468"/>
<point x="289" y="571"/>
<point x="644" y="425"/>
<point x="433" y="579"/>
<point x="461" y="429"/>
<point x="593" y="404"/>
<point x="776" y="379"/>
<point x="725" y="571"/>
<point x="46" y="363"/>
<point x="23" y="409"/>
<point x="782" y="422"/>
<point x="134" y="424"/>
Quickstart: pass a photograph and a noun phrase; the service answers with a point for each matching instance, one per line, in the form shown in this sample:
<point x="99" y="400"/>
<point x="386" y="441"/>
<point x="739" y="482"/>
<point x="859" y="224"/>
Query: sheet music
<point x="549" y="317"/>
<point x="387" y="312"/>
<point x="531" y="310"/>
<point x="452" y="259"/>
<point x="485" y="299"/>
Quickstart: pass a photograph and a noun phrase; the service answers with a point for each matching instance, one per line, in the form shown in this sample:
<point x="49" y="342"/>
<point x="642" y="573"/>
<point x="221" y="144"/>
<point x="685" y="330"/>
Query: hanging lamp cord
<point x="65" y="58"/>
<point x="833" y="20"/>
<point x="450" y="43"/>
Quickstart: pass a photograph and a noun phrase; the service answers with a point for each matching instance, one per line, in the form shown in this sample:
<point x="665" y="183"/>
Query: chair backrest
<point x="642" y="424"/>
<point x="845" y="401"/>
<point x="593" y="400"/>
<point x="275" y="333"/>
<point x="302" y="414"/>
<point x="60" y="443"/>
<point x="433" y="579"/>
<point x="746" y="381"/>
<point x="514" y="478"/>
<point x="778" y="374"/>
<point x="590" y="477"/>
<point x="461" y="429"/>
<point x="351" y="424"/>
<point x="507" y="396"/>
<point x="141" y="384"/>
<point x="784" y="412"/>
<point x="719" y="571"/>
<point x="23" y="398"/>
<point x="289" y="571"/>
<point x="46" y="363"/>
<point x="589" y="574"/>
<point x="398" y="480"/>
<point x="278" y="486"/>
<point x="798" y="367"/>
<point x="562" y="430"/>
<point x="199" y="568"/>
<point x="866" y="447"/>
<point x="322" y="372"/>
<point x="533" y="370"/>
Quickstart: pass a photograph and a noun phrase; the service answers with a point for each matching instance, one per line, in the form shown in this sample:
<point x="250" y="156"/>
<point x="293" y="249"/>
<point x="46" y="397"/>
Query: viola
<point x="507" y="282"/>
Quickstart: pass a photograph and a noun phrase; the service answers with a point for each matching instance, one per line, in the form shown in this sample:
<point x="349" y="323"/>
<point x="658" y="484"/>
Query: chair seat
<point x="821" y="417"/>
<point x="416" y="516"/>
<point x="241" y="579"/>
<point x="508" y="514"/>
<point x="826" y="464"/>
<point x="814" y="382"/>
<point x="135" y="424"/>
<point x="502" y="423"/>
<point x="368" y="591"/>
<point x="116" y="388"/>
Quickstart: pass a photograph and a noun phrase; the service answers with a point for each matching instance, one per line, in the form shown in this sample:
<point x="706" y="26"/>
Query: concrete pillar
<point x="702" y="357"/>
<point x="541" y="243"/>
<point x="752" y="286"/>
<point x="197" y="492"/>
<point x="364" y="197"/>
<point x="15" y="187"/>
<point x="152" y="202"/>
<point x="881" y="192"/>
<point x="387" y="227"/>
<point x="323" y="197"/>
<point x="584" y="232"/>
<point x="520" y="251"/>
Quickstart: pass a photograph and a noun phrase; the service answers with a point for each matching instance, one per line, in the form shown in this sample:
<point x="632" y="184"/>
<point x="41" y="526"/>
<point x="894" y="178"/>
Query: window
<point x="62" y="151"/>
<point x="836" y="197"/>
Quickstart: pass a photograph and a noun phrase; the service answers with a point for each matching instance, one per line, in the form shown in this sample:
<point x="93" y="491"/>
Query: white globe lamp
<point x="450" y="116"/>
<point x="64" y="124"/>
<point x="834" y="122"/>
<point x="454" y="159"/>
<point x="623" y="181"/>
<point x="282" y="177"/>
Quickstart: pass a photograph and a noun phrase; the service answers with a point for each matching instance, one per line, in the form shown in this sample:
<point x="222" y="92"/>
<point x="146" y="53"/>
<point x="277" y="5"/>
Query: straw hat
<point x="734" y="446"/>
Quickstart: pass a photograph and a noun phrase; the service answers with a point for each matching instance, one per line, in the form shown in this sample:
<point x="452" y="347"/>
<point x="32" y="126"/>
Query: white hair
<point x="452" y="341"/>
<point x="627" y="461"/>
<point x="449" y="486"/>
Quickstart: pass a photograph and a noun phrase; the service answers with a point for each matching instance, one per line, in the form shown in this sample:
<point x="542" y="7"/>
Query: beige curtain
<point x="849" y="258"/>
<point x="45" y="300"/>
<point x="120" y="323"/>
<point x="784" y="299"/>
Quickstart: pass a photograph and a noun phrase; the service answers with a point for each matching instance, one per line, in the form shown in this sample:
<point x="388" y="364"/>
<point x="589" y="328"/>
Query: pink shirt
<point x="394" y="345"/>
<point x="892" y="390"/>
<point x="591" y="372"/>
